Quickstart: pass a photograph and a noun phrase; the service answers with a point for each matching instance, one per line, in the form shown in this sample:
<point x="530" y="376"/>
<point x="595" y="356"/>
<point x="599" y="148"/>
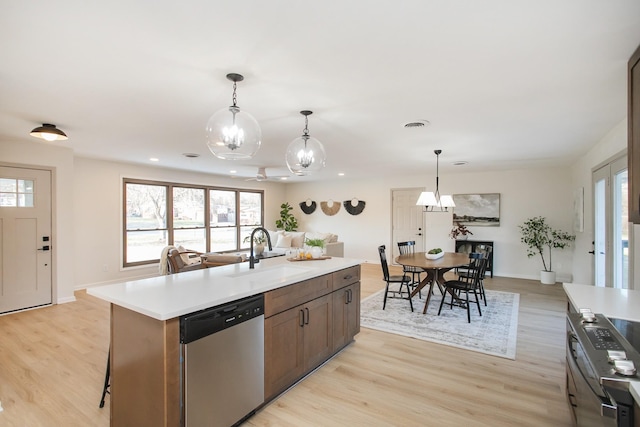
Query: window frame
<point x="169" y="186"/>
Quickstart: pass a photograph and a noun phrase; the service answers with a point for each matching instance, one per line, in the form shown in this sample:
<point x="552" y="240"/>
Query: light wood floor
<point x="52" y="363"/>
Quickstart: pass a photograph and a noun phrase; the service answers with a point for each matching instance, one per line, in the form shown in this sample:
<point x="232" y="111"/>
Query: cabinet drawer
<point x="282" y="299"/>
<point x="346" y="277"/>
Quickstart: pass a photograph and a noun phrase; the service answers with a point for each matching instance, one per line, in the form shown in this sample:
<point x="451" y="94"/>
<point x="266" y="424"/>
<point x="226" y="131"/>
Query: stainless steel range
<point x="601" y="363"/>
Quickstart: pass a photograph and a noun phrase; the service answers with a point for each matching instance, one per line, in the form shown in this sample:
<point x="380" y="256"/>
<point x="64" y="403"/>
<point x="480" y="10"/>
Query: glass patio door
<point x="611" y="225"/>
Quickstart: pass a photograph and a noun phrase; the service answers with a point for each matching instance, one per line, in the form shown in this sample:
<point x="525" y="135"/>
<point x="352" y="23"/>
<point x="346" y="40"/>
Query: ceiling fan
<point x="261" y="175"/>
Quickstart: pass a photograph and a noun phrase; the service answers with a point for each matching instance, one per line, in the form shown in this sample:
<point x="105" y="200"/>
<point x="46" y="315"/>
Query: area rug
<point x="494" y="333"/>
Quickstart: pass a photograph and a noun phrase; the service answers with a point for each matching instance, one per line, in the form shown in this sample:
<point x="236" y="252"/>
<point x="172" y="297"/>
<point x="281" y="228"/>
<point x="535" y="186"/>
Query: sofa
<point x="283" y="241"/>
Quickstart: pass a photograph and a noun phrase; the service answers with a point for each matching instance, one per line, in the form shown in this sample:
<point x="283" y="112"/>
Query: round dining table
<point x="435" y="269"/>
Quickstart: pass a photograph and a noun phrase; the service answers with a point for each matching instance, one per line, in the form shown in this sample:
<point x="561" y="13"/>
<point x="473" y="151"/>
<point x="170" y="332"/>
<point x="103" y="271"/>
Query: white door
<point x="611" y="225"/>
<point x="25" y="238"/>
<point x="407" y="220"/>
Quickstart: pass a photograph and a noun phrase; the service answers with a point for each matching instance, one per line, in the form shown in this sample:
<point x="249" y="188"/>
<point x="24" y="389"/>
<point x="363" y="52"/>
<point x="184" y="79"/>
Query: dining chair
<point x="408" y="248"/>
<point x="466" y="283"/>
<point x="485" y="251"/>
<point x="402" y="280"/>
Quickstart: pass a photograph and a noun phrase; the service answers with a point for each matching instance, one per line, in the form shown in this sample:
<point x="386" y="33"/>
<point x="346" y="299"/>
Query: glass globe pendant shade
<point x="305" y="155"/>
<point x="233" y="134"/>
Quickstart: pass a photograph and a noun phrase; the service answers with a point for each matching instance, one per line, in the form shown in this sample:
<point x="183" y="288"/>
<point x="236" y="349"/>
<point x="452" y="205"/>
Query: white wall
<point x="60" y="159"/>
<point x="523" y="194"/>
<point x="610" y="145"/>
<point x="98" y="214"/>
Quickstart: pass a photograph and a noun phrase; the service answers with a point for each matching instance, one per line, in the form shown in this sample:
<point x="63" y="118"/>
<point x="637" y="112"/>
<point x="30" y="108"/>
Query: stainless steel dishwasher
<point x="223" y="363"/>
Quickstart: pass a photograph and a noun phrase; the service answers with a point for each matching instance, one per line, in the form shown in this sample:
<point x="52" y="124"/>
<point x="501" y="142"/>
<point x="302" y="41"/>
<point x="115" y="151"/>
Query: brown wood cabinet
<point x="346" y="306"/>
<point x="346" y="315"/>
<point x="633" y="150"/>
<point x="301" y="324"/>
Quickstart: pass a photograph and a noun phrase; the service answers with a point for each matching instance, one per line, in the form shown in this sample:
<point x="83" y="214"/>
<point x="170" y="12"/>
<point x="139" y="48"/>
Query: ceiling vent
<point x="417" y="124"/>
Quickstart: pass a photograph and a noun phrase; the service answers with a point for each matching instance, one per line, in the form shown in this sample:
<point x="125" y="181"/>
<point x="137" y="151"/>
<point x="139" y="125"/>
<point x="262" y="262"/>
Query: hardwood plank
<point x="52" y="363"/>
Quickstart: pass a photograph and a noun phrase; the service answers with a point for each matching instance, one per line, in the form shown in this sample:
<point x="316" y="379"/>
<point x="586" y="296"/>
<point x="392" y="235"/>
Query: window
<point x="17" y="193"/>
<point x="205" y="219"/>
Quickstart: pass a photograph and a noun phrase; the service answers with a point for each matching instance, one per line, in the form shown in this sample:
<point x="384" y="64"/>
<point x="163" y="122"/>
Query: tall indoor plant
<point x="287" y="221"/>
<point x="541" y="239"/>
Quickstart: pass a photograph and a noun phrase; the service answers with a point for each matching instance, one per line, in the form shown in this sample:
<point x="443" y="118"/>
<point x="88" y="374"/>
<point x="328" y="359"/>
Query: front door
<point x="25" y="238"/>
<point x="407" y="220"/>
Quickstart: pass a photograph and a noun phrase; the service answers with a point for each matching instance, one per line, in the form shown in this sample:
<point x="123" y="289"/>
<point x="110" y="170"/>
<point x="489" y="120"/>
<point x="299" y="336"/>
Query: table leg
<point x="426" y="281"/>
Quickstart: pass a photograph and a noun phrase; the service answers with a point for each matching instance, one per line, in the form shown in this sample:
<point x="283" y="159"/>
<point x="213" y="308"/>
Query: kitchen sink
<point x="270" y="274"/>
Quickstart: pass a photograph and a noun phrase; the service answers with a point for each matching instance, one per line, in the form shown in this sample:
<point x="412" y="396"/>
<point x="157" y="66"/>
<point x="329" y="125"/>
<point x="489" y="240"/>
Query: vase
<point x="258" y="249"/>
<point x="548" y="277"/>
<point x="316" y="252"/>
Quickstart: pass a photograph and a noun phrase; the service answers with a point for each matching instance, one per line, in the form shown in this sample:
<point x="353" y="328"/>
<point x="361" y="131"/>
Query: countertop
<point x="618" y="303"/>
<point x="166" y="297"/>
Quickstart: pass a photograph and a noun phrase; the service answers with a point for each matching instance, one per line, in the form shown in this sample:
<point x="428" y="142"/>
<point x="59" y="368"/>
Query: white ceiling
<point x="503" y="83"/>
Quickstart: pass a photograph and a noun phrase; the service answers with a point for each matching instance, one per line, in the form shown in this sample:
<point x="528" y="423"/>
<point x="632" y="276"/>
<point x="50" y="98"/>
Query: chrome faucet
<point x="253" y="260"/>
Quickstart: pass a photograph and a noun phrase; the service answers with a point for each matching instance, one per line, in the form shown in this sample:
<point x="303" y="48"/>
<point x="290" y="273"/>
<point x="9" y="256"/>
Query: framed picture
<point x="477" y="209"/>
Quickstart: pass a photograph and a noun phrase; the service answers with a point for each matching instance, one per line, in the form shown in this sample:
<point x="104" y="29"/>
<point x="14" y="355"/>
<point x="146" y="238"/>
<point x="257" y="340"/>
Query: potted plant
<point x="540" y="238"/>
<point x="434" y="253"/>
<point x="287" y="221"/>
<point x="259" y="239"/>
<point x="459" y="232"/>
<point x="316" y="246"/>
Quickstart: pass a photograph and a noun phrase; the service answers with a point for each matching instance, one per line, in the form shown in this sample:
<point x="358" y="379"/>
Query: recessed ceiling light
<point x="417" y="124"/>
<point x="460" y="163"/>
<point x="284" y="178"/>
<point x="233" y="171"/>
<point x="191" y="155"/>
<point x="154" y="159"/>
<point x="340" y="173"/>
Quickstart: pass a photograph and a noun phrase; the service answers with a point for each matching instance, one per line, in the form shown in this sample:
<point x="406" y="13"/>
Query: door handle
<point x="592" y="252"/>
<point x="44" y="248"/>
<point x="307" y="310"/>
<point x="301" y="318"/>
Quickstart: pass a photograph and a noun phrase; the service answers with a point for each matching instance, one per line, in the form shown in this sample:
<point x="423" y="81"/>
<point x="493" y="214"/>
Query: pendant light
<point x="231" y="133"/>
<point x="432" y="201"/>
<point x="305" y="154"/>
<point x="49" y="133"/>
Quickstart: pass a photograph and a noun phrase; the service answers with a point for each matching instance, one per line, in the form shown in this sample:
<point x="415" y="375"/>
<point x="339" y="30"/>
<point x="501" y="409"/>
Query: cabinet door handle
<point x="307" y="310"/>
<point x="301" y="318"/>
<point x="350" y="295"/>
<point x="347" y="277"/>
<point x="346" y="297"/>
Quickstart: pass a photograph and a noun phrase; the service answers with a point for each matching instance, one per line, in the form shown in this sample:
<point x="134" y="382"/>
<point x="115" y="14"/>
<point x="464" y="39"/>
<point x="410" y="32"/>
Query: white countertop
<point x="166" y="297"/>
<point x="618" y="303"/>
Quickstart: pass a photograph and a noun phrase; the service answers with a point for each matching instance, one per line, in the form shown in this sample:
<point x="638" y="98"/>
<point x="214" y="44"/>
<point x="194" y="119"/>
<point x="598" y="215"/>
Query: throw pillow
<point x="284" y="241"/>
<point x="297" y="239"/>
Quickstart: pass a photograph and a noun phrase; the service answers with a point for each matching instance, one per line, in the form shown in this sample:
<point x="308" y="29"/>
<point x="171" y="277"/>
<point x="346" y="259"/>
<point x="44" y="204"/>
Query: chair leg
<point x="477" y="302"/>
<point x="441" y="304"/>
<point x="107" y="378"/>
<point x="386" y="292"/>
<point x="409" y="296"/>
<point x="468" y="309"/>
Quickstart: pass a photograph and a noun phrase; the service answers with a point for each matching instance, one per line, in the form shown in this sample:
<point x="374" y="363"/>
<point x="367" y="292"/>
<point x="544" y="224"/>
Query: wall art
<point x="354" y="206"/>
<point x="477" y="209"/>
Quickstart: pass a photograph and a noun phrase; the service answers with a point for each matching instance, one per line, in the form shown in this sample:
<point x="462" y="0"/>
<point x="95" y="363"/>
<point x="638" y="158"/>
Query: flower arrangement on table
<point x="459" y="230"/>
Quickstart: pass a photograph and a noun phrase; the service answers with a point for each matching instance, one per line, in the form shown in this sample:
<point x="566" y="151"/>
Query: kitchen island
<point x="145" y="358"/>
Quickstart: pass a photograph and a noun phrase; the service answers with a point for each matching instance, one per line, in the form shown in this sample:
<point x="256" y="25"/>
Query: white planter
<point x="316" y="251"/>
<point x="258" y="249"/>
<point x="548" y="277"/>
<point x="434" y="256"/>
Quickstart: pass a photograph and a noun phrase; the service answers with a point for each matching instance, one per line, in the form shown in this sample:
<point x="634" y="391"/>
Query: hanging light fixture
<point x="48" y="132"/>
<point x="432" y="201"/>
<point x="231" y="133"/>
<point x="305" y="154"/>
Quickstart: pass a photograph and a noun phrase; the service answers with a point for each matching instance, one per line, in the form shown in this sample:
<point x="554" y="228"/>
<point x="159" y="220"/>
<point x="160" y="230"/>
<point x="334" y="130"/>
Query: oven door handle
<point x="608" y="407"/>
